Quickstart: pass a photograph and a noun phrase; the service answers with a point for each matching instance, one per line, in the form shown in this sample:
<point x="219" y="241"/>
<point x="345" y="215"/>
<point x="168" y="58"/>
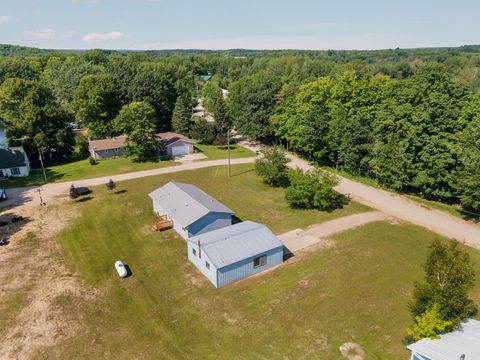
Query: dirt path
<point x="300" y="239"/>
<point x="35" y="280"/>
<point x="398" y="206"/>
<point x="18" y="196"/>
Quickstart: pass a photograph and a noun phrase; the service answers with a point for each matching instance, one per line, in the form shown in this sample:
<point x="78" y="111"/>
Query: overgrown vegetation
<point x="442" y="301"/>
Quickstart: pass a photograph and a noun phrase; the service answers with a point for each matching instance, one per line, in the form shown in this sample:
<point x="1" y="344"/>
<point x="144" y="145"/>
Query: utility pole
<point x="228" y="146"/>
<point x="40" y="157"/>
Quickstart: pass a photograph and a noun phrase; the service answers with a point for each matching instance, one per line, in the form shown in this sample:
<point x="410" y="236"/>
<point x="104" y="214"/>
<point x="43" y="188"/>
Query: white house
<point x="235" y="252"/>
<point x="14" y="162"/>
<point x="191" y="210"/>
<point x="460" y="344"/>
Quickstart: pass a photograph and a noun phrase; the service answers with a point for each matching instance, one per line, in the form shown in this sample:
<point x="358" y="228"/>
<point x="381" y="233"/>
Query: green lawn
<point x="357" y="290"/>
<point x="80" y="168"/>
<point x="221" y="152"/>
<point x="76" y="169"/>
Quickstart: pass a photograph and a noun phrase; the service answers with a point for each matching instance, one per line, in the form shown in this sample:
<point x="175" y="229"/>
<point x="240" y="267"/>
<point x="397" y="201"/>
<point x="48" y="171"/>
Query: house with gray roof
<point x="13" y="162"/>
<point x="235" y="252"/>
<point x="191" y="210"/>
<point x="460" y="344"/>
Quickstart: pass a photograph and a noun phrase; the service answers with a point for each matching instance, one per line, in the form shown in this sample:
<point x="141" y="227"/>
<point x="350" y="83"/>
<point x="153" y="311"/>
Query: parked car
<point x="3" y="194"/>
<point x="121" y="269"/>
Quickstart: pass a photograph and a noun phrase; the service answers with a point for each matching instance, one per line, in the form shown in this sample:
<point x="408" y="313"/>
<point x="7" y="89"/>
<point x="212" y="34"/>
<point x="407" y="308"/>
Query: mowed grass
<point x="76" y="169"/>
<point x="213" y="152"/>
<point x="356" y="290"/>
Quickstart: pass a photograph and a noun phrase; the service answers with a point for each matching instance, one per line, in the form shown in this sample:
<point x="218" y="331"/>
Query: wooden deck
<point x="162" y="223"/>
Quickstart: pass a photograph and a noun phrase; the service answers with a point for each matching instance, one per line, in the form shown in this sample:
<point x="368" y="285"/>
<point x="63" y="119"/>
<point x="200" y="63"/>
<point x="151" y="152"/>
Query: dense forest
<point x="407" y="117"/>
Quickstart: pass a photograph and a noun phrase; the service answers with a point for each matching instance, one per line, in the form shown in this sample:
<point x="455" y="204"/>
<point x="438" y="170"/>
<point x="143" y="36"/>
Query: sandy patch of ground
<point x="32" y="265"/>
<point x="352" y="351"/>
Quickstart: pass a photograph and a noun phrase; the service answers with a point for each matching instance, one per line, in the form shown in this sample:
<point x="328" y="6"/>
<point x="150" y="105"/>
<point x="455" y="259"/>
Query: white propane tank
<point x="121" y="270"/>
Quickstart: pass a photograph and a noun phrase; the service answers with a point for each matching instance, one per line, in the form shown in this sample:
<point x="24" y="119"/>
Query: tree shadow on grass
<point x="11" y="223"/>
<point x="84" y="199"/>
<point x="243" y="172"/>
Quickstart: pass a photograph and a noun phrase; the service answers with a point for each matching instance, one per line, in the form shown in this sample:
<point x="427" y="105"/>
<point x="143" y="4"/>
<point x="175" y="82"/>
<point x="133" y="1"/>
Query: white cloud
<point x="4" y="18"/>
<point x="98" y="38"/>
<point x="47" y="34"/>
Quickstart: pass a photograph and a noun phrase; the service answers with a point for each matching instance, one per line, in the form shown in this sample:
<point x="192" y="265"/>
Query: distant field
<point x="357" y="290"/>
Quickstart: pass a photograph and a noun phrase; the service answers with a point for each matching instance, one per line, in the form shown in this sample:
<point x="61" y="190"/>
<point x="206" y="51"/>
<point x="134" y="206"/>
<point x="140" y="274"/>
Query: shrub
<point x="312" y="190"/>
<point x="272" y="166"/>
<point x="111" y="185"/>
<point x="92" y="161"/>
<point x="429" y="324"/>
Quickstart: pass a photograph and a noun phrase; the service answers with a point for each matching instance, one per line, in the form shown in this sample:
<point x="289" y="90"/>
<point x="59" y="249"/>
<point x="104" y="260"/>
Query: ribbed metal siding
<point x="244" y="268"/>
<point x="210" y="222"/>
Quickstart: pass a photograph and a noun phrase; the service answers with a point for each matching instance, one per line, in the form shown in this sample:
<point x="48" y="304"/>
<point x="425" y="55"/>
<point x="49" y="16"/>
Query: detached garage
<point x="235" y="252"/>
<point x="191" y="210"/>
<point x="175" y="144"/>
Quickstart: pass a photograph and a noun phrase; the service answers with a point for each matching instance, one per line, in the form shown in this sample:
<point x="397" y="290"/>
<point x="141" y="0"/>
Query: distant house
<point x="191" y="210"/>
<point x="175" y="144"/>
<point x="107" y="148"/>
<point x="170" y="144"/>
<point x="14" y="162"/>
<point x="235" y="252"/>
<point x="204" y="77"/>
<point x="460" y="344"/>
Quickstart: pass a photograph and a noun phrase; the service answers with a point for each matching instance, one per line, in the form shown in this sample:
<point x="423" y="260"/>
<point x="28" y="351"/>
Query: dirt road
<point x="398" y="206"/>
<point x="300" y="239"/>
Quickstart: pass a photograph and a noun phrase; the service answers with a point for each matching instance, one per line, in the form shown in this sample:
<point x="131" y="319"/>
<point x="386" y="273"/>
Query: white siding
<point x="24" y="171"/>
<point x="200" y="263"/>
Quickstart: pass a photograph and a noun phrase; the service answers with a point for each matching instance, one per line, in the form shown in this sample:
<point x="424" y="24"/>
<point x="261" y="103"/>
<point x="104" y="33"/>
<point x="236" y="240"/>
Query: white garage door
<point x="180" y="150"/>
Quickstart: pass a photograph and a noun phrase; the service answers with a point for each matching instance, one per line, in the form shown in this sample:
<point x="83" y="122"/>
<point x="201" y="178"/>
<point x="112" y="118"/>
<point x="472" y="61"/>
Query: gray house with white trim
<point x="235" y="252"/>
<point x="191" y="210"/>
<point x="460" y="344"/>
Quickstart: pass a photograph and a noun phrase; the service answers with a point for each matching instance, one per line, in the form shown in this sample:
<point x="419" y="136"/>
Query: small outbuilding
<point x="460" y="344"/>
<point x="235" y="252"/>
<point x="13" y="162"/>
<point x="191" y="210"/>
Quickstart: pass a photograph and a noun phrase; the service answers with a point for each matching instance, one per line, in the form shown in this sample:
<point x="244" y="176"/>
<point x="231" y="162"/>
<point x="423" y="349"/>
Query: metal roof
<point x="186" y="203"/>
<point x="451" y="346"/>
<point x="237" y="242"/>
<point x="12" y="157"/>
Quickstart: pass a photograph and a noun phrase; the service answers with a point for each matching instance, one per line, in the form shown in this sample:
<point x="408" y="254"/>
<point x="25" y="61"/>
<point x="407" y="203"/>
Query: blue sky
<point x="253" y="24"/>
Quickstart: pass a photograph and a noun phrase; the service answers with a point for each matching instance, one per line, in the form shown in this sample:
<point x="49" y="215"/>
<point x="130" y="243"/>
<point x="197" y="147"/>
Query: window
<point x="207" y="265"/>
<point x="194" y="251"/>
<point x="259" y="261"/>
<point x="15" y="171"/>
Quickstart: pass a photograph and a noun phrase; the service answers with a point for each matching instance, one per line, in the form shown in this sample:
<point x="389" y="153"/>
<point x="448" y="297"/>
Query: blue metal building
<point x="235" y="252"/>
<point x="191" y="210"/>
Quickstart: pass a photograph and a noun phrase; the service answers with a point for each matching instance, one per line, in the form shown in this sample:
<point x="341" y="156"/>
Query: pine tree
<point x="182" y="122"/>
